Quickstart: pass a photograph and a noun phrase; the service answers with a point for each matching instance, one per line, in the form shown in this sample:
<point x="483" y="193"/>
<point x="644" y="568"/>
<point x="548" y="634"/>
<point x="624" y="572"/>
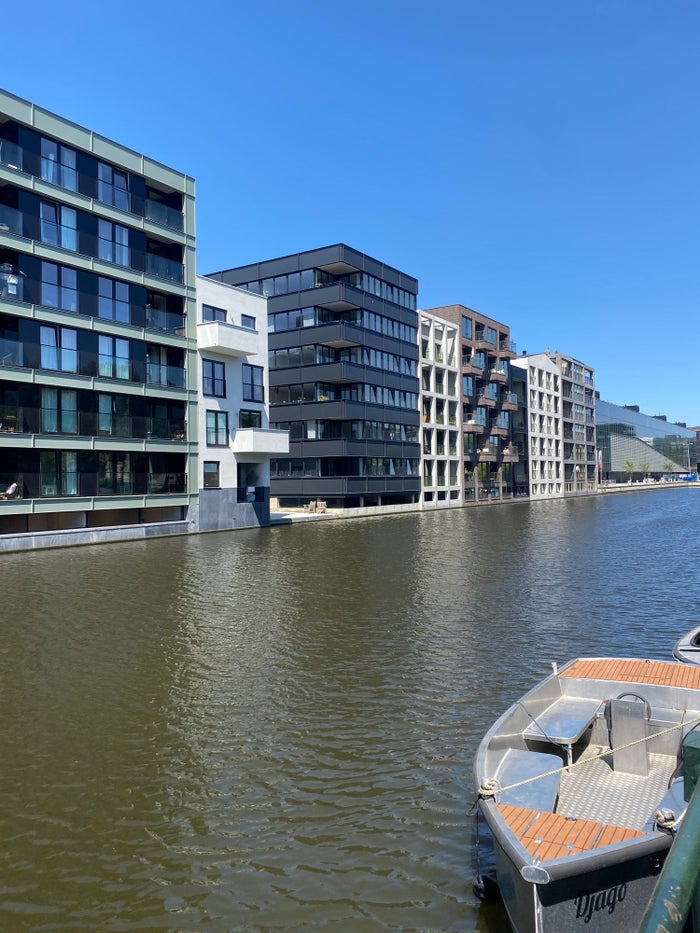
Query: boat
<point x="687" y="649"/>
<point x="581" y="784"/>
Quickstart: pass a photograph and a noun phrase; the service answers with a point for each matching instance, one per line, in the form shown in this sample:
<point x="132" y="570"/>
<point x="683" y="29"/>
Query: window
<point x="59" y="287"/>
<point x="217" y="428"/>
<point x="58" y="225"/>
<point x="249" y="419"/>
<point x="211" y="474"/>
<point x="213" y="379"/>
<point x="59" y="411"/>
<point x="58" y="165"/>
<point x="466" y="328"/>
<point x="114" y="357"/>
<point x="113" y="300"/>
<point x="253" y="390"/>
<point x="113" y="415"/>
<point x="58" y="472"/>
<point x="112" y="186"/>
<point x="248" y="321"/>
<point x="210" y="313"/>
<point x="114" y="473"/>
<point x="113" y="243"/>
<point x="59" y="348"/>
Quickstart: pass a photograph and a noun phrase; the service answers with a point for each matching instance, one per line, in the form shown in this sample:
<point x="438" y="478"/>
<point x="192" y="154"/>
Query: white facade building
<point x="560" y="424"/>
<point x="441" y="417"/>
<point x="235" y="438"/>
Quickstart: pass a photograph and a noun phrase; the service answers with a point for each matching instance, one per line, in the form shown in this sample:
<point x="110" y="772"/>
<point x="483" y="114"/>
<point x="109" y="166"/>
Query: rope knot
<point x="489" y="787"/>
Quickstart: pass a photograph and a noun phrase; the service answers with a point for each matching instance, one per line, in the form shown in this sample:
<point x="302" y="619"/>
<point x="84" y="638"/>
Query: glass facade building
<point x="648" y="444"/>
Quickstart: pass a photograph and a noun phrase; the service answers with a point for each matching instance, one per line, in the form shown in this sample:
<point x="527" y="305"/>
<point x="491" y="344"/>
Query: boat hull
<point x="611" y="899"/>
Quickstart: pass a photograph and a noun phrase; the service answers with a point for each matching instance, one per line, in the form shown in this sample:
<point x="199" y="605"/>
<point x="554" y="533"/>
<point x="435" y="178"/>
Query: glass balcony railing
<point x="10" y="154"/>
<point x="158" y="374"/>
<point x="11" y="220"/>
<point x="11" y="283"/>
<point x="11" y="353"/>
<point x="166" y="483"/>
<point x="165" y="268"/>
<point x="162" y="214"/>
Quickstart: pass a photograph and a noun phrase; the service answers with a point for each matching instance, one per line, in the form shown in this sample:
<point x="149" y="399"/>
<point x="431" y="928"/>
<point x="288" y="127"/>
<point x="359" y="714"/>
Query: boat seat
<point x="519" y="765"/>
<point x="628" y="723"/>
<point x="564" y="722"/>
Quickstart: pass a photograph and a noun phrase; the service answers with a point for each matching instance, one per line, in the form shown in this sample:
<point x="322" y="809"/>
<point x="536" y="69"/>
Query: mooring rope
<point x="491" y="786"/>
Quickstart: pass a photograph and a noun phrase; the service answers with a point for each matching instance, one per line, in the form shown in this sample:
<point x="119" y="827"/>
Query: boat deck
<point x="661" y="673"/>
<point x="548" y="836"/>
<point x="595" y="791"/>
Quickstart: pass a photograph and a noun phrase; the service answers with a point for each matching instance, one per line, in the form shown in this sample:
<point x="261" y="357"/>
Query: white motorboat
<point x="687" y="649"/>
<point x="582" y="786"/>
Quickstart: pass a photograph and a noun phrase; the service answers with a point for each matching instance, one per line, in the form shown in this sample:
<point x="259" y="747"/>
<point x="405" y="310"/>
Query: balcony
<point x="227" y="339"/>
<point x="487" y="401"/>
<point x="260" y="441"/>
<point x="164" y="268"/>
<point x="482" y="343"/>
<point x="11" y="154"/>
<point x="162" y="214"/>
<point x="511" y="454"/>
<point x="509" y="401"/>
<point x="498" y="375"/>
<point x="472" y="427"/>
<point x="11" y="220"/>
<point x="506" y="349"/>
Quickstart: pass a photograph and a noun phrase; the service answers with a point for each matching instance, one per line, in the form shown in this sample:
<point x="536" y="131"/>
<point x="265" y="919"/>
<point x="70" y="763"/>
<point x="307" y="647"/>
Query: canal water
<point x="274" y="729"/>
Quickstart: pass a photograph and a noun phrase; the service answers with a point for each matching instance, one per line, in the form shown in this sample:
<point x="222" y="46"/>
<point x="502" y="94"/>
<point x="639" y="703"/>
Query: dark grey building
<point x="343" y="375"/>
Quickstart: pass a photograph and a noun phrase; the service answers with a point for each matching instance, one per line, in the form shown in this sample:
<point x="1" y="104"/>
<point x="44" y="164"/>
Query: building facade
<point x="441" y="413"/>
<point x="235" y="439"/>
<point x="343" y="348"/>
<point x="97" y="336"/>
<point x="491" y="460"/>
<point x="560" y="425"/>
<point x="635" y="446"/>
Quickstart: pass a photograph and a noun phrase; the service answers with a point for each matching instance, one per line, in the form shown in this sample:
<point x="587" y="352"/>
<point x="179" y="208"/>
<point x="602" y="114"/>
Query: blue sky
<point x="536" y="161"/>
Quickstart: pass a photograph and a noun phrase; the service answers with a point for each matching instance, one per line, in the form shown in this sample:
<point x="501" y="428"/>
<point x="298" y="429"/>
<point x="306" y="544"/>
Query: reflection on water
<point x="274" y="729"/>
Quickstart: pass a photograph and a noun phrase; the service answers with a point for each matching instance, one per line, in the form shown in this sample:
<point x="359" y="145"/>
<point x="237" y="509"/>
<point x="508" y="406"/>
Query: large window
<point x="115" y="476"/>
<point x="58" y="473"/>
<point x="253" y="388"/>
<point x="59" y="411"/>
<point x="213" y="378"/>
<point x="211" y="474"/>
<point x="466" y="328"/>
<point x="58" y="165"/>
<point x="113" y="300"/>
<point x="113" y="416"/>
<point x="248" y="321"/>
<point x="58" y="225"/>
<point x="217" y="428"/>
<point x="59" y="348"/>
<point x="59" y="287"/>
<point x="112" y="186"/>
<point x="114" y="357"/>
<point x="113" y="243"/>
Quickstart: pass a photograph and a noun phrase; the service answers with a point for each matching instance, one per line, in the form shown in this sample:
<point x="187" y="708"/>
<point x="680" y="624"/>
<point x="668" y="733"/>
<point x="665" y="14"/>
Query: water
<point x="274" y="729"/>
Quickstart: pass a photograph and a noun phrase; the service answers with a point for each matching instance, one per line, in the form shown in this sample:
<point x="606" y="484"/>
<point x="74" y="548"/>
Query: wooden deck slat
<point x="552" y="835"/>
<point x="662" y="673"/>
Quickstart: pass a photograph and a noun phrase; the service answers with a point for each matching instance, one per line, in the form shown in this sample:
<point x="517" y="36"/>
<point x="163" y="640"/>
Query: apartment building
<point x="235" y="438"/>
<point x="343" y="348"/>
<point x="441" y="413"/>
<point x="98" y="388"/>
<point x="561" y="425"/>
<point x="491" y="460"/>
